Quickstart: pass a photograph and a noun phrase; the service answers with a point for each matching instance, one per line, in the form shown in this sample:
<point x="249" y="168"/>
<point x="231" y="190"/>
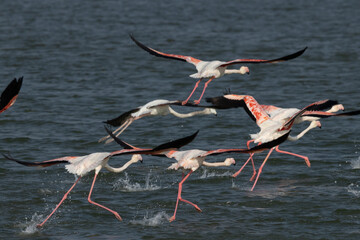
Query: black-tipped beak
<point x="141" y="161"/>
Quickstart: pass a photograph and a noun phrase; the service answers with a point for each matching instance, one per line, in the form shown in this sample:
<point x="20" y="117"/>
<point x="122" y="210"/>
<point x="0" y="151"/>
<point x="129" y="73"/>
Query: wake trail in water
<point x="152" y="221"/>
<point x="207" y="174"/>
<point x="355" y="164"/>
<point x="126" y="185"/>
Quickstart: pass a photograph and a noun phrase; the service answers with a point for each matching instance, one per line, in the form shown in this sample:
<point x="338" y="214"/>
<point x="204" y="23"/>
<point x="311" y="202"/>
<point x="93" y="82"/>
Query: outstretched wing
<point x="258" y="148"/>
<point x="165" y="55"/>
<point x="121" y="119"/>
<point x="222" y="102"/>
<point x="125" y="145"/>
<point x="9" y="95"/>
<point x="159" y="150"/>
<point x="322" y="114"/>
<point x="39" y="164"/>
<point x="282" y="59"/>
<point x="176" y="144"/>
<point x="316" y="106"/>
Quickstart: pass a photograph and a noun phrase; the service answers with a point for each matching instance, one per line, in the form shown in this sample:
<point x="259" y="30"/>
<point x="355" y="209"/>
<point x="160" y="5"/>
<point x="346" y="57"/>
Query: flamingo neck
<point x="186" y="115"/>
<point x="215" y="164"/>
<point x="300" y="135"/>
<point x="233" y="71"/>
<point x="120" y="169"/>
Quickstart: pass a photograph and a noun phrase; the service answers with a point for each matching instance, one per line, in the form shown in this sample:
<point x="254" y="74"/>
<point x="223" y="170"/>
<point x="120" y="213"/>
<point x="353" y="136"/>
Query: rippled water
<point x="80" y="68"/>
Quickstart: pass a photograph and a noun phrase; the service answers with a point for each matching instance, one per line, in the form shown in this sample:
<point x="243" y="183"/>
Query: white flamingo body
<point x="213" y="69"/>
<point x="159" y="107"/>
<point x="80" y="166"/>
<point x="275" y="123"/>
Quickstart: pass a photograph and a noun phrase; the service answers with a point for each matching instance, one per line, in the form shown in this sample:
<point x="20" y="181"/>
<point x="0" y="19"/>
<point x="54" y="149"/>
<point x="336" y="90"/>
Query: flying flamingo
<point x="213" y="69"/>
<point x="274" y="121"/>
<point x="81" y="165"/>
<point x="9" y="95"/>
<point x="157" y="107"/>
<point x="192" y="159"/>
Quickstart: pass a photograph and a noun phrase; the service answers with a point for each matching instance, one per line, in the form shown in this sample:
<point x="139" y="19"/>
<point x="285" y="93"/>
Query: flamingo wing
<point x="40" y="164"/>
<point x="159" y="150"/>
<point x="9" y="95"/>
<point x="120" y="120"/>
<point x="316" y="106"/>
<point x="322" y="114"/>
<point x="166" y="55"/>
<point x="258" y="148"/>
<point x="281" y="59"/>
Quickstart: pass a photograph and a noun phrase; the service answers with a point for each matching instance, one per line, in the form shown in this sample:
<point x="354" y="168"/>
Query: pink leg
<point x="183" y="200"/>
<point x="196" y="85"/>
<point x="261" y="167"/>
<point x="294" y="154"/>
<point x="205" y="86"/>
<point x="99" y="205"/>
<point x="57" y="206"/>
<point x="252" y="162"/>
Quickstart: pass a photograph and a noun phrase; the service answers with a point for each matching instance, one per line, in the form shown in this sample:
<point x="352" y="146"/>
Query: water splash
<point x="354" y="189"/>
<point x="126" y="185"/>
<point x="30" y="226"/>
<point x="355" y="164"/>
<point x="207" y="174"/>
<point x="152" y="221"/>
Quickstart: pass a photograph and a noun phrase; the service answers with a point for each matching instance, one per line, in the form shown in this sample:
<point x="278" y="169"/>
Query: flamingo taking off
<point x="9" y="95"/>
<point x="157" y="107"/>
<point x="274" y="121"/>
<point x="192" y="159"/>
<point x="81" y="165"/>
<point x="213" y="69"/>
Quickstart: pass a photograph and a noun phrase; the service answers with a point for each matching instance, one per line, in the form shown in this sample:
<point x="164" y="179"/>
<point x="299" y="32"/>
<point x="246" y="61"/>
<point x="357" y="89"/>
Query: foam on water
<point x="126" y="185"/>
<point x="152" y="221"/>
<point x="29" y="227"/>
<point x="354" y="189"/>
<point x="355" y="164"/>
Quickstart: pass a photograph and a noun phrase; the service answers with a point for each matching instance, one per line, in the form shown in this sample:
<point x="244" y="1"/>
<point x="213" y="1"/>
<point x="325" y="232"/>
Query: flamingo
<point x="213" y="69"/>
<point x="81" y="165"/>
<point x="9" y="95"/>
<point x="274" y="121"/>
<point x="192" y="159"/>
<point x="159" y="107"/>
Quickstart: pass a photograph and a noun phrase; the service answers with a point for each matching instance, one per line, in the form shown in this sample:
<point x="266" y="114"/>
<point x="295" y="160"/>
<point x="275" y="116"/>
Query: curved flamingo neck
<point x="120" y="169"/>
<point x="300" y="135"/>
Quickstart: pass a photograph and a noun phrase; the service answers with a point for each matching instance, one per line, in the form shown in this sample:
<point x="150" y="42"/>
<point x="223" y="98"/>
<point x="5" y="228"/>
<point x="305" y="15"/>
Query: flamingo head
<point x="337" y="108"/>
<point x="229" y="161"/>
<point x="315" y="124"/>
<point x="136" y="158"/>
<point x="244" y="70"/>
<point x="210" y="111"/>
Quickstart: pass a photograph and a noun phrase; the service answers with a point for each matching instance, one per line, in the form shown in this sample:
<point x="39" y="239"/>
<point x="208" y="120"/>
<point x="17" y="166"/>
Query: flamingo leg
<point x="181" y="199"/>
<point x="62" y="200"/>
<point x="99" y="205"/>
<point x="261" y="167"/>
<point x="196" y="85"/>
<point x="125" y="125"/>
<point x="203" y="91"/>
<point x="252" y="162"/>
<point x="294" y="154"/>
<point x="118" y="129"/>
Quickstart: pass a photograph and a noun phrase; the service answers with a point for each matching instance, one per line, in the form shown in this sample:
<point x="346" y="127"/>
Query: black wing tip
<point x="178" y="143"/>
<point x="118" y="140"/>
<point x="270" y="144"/>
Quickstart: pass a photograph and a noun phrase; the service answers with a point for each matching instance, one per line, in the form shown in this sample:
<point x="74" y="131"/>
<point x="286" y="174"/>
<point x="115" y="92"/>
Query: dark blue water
<point x="81" y="68"/>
